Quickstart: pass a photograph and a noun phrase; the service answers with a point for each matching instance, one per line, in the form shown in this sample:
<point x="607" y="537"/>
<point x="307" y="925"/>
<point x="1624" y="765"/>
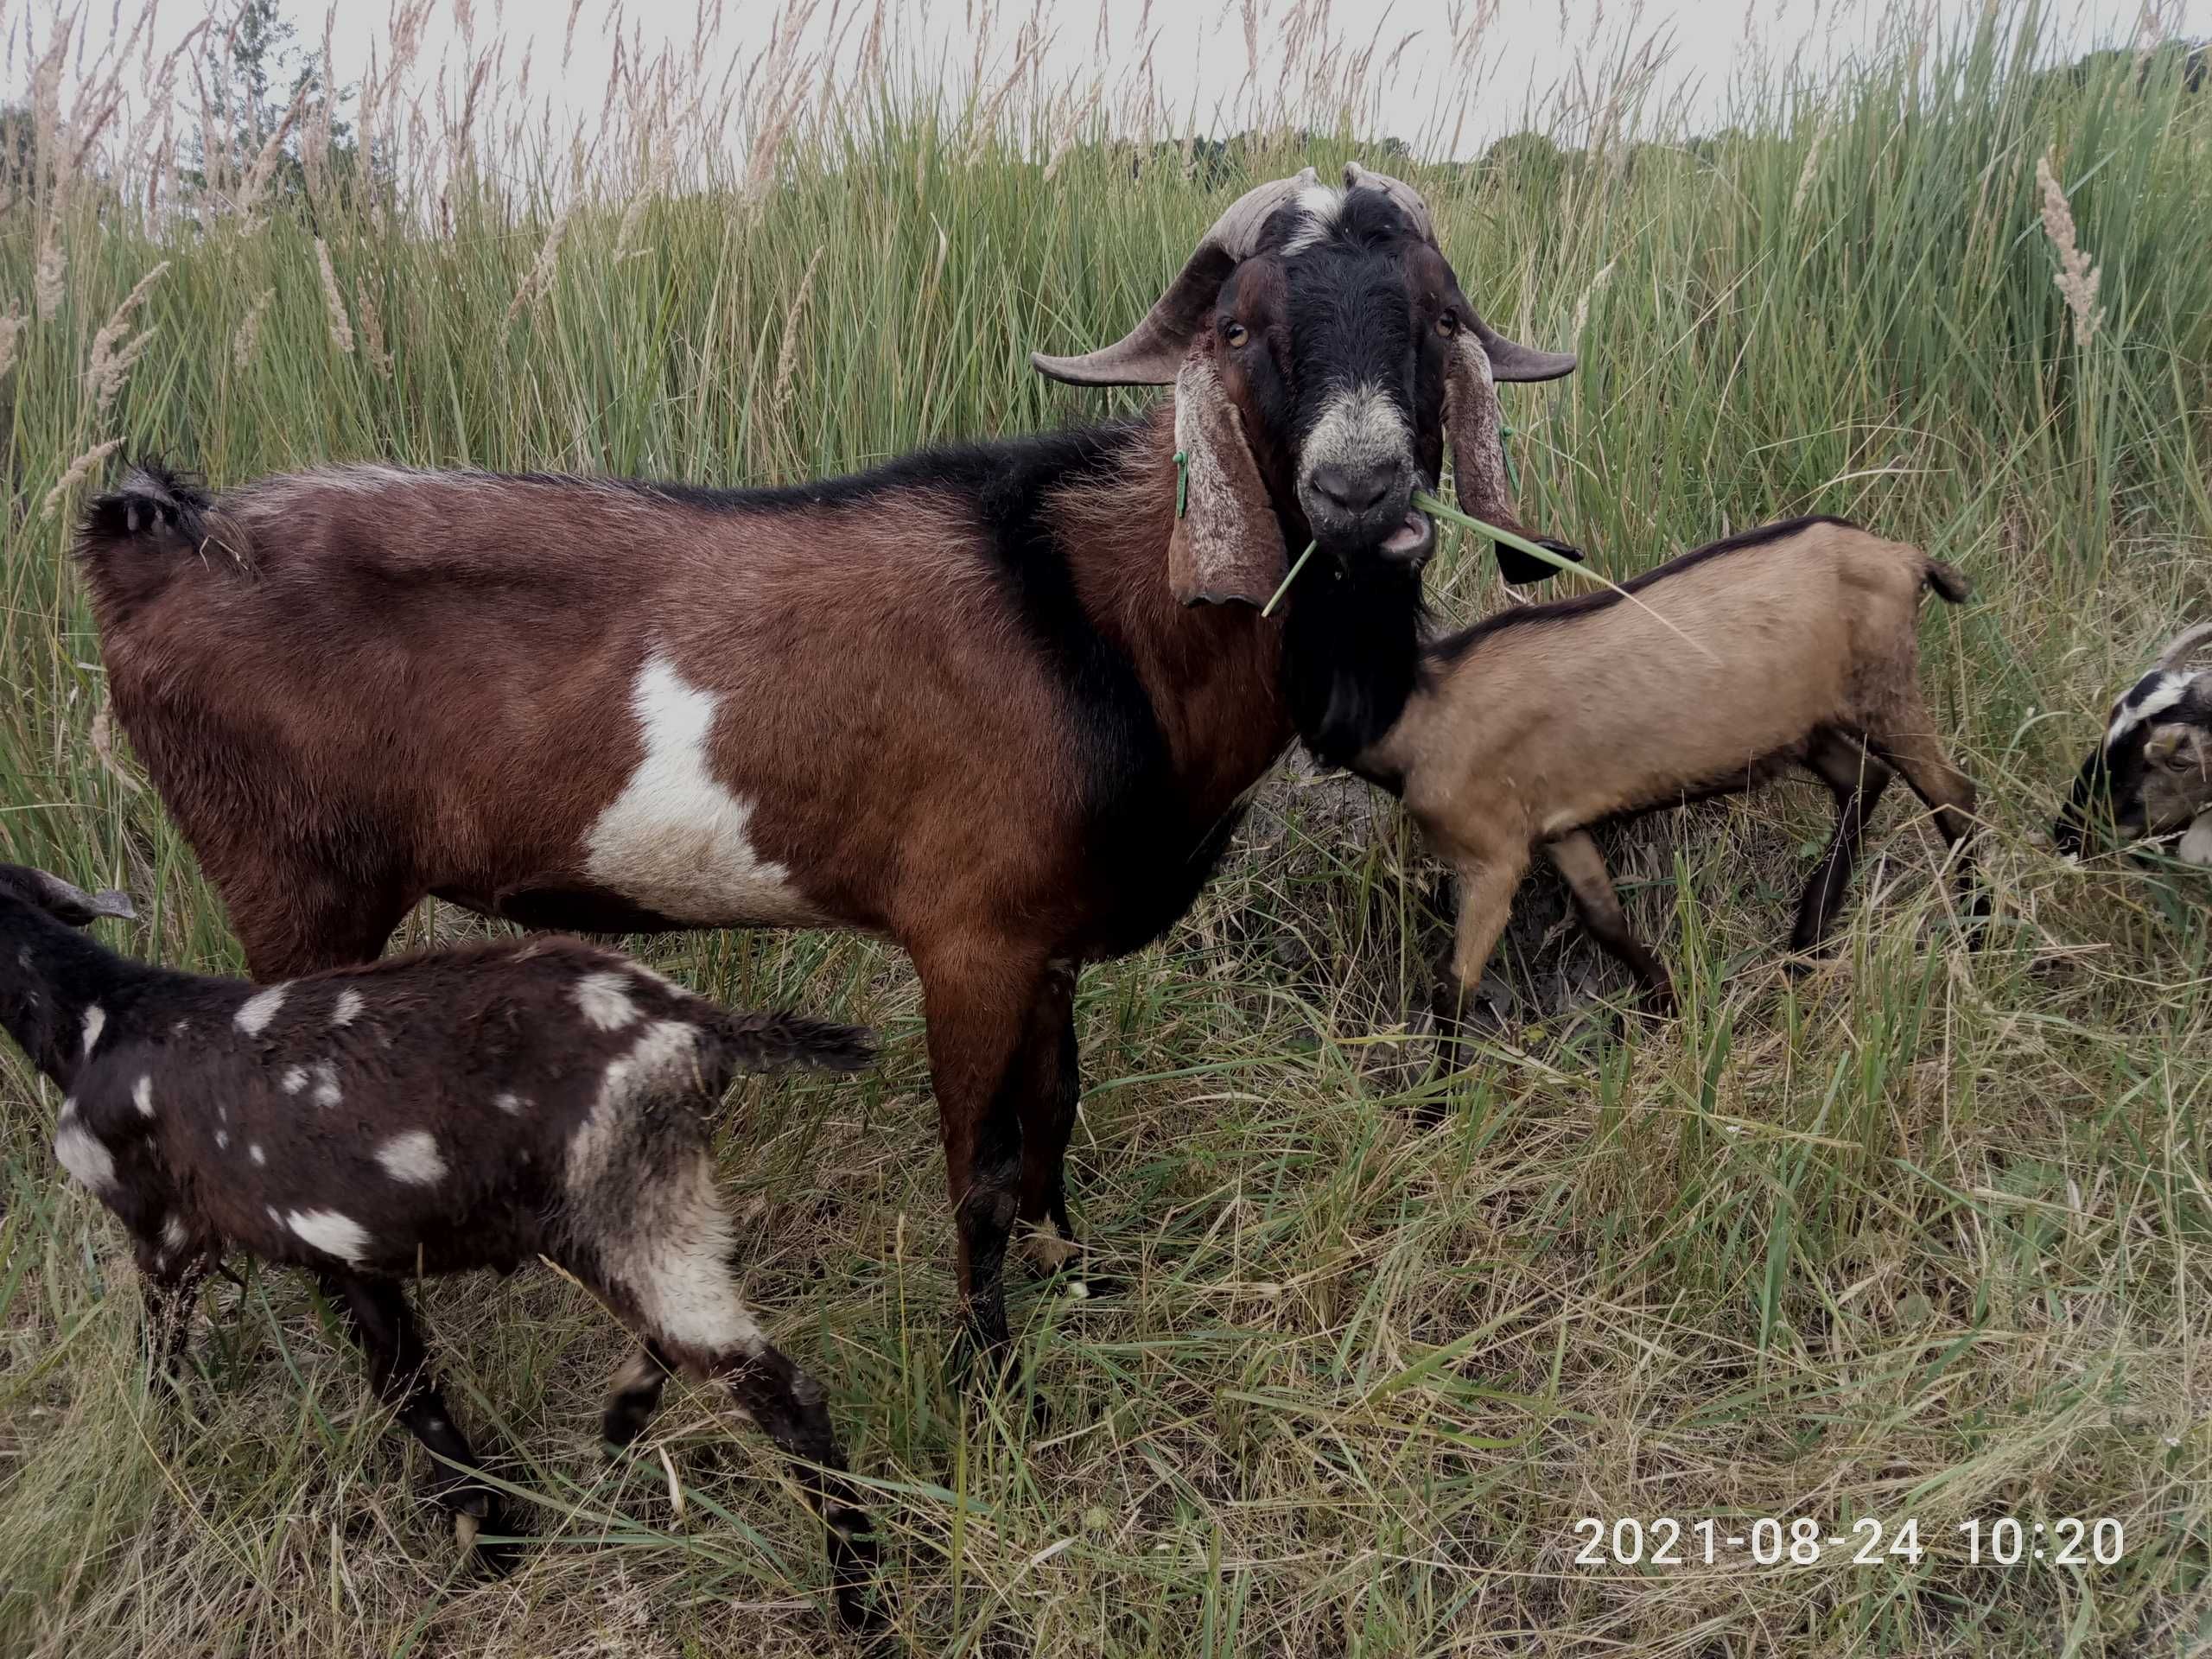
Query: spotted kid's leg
<point x="636" y="1394"/>
<point x="399" y="1369"/>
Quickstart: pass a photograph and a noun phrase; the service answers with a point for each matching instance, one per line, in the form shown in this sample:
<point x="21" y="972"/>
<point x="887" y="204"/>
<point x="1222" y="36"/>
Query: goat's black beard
<point x="1350" y="655"/>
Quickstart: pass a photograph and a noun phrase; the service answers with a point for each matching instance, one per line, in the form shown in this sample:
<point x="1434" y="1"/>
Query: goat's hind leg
<point x="1950" y="795"/>
<point x="1857" y="780"/>
<point x="636" y="1394"/>
<point x="400" y="1371"/>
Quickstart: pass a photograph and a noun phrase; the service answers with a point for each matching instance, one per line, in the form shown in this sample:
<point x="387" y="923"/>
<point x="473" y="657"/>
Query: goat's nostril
<point x="1356" y="494"/>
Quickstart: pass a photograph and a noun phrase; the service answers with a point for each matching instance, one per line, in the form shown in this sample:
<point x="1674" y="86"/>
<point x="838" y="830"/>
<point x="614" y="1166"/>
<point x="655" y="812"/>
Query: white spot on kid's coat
<point x="332" y="1233"/>
<point x="413" y="1158"/>
<point x="604" y="1001"/>
<point x="256" y="1011"/>
<point x="85" y="1157"/>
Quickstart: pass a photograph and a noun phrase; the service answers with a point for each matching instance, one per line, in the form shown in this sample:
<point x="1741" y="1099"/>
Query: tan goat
<point x="1794" y="643"/>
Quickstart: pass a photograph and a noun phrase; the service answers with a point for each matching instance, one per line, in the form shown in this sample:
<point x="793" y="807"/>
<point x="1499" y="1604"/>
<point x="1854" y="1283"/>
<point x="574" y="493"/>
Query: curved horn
<point x="1150" y="353"/>
<point x="2188" y="652"/>
<point x="1509" y="359"/>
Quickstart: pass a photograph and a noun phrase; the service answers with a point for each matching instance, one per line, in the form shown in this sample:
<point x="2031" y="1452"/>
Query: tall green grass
<point x="1924" y="1235"/>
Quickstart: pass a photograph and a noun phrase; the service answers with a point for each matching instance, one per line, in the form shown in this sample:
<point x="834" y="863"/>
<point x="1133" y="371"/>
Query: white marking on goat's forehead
<point x="86" y="1157"/>
<point x="141" y="1095"/>
<point x="256" y="1011"/>
<point x="413" y="1158"/>
<point x="330" y="1231"/>
<point x="347" y="1009"/>
<point x="95" y="1023"/>
<point x="2151" y="696"/>
<point x="1320" y="204"/>
<point x="677" y="840"/>
<point x="605" y="1002"/>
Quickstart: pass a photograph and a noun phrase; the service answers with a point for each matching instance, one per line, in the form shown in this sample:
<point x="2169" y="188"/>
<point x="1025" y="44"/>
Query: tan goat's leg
<point x="1577" y="858"/>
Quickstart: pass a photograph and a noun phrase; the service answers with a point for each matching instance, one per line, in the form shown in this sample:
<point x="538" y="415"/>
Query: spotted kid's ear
<point x="67" y="902"/>
<point x="1473" y="419"/>
<point x="1227" y="544"/>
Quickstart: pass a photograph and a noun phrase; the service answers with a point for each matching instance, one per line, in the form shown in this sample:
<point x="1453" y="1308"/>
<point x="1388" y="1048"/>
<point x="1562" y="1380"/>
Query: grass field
<point x="1924" y="1236"/>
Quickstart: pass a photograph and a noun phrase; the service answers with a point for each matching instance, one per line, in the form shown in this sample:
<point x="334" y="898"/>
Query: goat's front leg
<point x="170" y="1287"/>
<point x="1487" y="882"/>
<point x="399" y="1369"/>
<point x="1052" y="1086"/>
<point x="1577" y="859"/>
<point x="977" y="995"/>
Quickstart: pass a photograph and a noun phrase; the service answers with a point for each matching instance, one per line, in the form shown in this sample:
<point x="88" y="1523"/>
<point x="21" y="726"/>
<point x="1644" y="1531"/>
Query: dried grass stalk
<point x="77" y="469"/>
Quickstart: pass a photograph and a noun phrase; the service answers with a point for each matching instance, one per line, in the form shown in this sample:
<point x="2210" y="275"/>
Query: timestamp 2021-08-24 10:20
<point x="1770" y="1540"/>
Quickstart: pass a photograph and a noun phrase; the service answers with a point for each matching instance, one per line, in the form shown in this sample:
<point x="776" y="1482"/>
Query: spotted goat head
<point x="2151" y="774"/>
<point x="1321" y="348"/>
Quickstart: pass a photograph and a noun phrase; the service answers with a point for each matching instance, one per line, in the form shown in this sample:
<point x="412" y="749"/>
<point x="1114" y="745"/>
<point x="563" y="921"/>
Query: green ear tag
<point x="1182" y="481"/>
<point x="1505" y="447"/>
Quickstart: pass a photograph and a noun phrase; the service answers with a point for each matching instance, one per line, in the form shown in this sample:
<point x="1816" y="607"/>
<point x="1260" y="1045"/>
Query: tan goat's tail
<point x="1950" y="582"/>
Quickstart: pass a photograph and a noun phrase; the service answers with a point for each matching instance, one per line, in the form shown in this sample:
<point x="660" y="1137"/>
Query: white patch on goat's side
<point x="509" y="1102"/>
<point x="1359" y="430"/>
<point x="295" y="1079"/>
<point x="256" y="1011"/>
<point x="413" y="1158"/>
<point x="332" y="1233"/>
<point x="675" y="841"/>
<point x="604" y="1001"/>
<point x="182" y="1028"/>
<point x="222" y="1140"/>
<point x="326" y="1092"/>
<point x="2196" y="846"/>
<point x="95" y="1023"/>
<point x="142" y="1096"/>
<point x="347" y="1009"/>
<point x="661" y="1057"/>
<point x="86" y="1157"/>
<point x="1320" y="203"/>
<point x="253" y="1151"/>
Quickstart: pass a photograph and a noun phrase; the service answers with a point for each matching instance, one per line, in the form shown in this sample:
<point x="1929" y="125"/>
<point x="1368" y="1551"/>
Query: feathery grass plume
<point x="1596" y="287"/>
<point x="373" y="347"/>
<point x="787" y="356"/>
<point x="2076" y="277"/>
<point x="1812" y="167"/>
<point x="47" y="287"/>
<point x="12" y="324"/>
<point x="103" y="741"/>
<point x="249" y="334"/>
<point x="265" y="164"/>
<point x="657" y="175"/>
<point x="341" y="330"/>
<point x="2153" y="23"/>
<point x="541" y="274"/>
<point x="113" y="357"/>
<point x="78" y="468"/>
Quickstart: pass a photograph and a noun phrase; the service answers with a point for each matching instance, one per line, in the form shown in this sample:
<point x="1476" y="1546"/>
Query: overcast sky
<point x="1197" y="46"/>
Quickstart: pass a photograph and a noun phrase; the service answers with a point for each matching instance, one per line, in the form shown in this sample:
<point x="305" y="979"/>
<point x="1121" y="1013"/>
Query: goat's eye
<point x="1447" y="325"/>
<point x="2181" y="760"/>
<point x="1235" y="333"/>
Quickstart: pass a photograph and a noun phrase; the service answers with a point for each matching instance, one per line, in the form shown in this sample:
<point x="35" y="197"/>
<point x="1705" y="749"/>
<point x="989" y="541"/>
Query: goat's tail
<point x="770" y="1042"/>
<point x="1950" y="583"/>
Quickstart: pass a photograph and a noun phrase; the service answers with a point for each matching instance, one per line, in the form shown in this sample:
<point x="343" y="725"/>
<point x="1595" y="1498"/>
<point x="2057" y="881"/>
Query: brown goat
<point x="1792" y="644"/>
<point x="964" y="701"/>
<point x="457" y="1109"/>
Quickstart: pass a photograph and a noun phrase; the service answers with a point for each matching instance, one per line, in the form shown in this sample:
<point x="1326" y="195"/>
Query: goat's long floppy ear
<point x="67" y="902"/>
<point x="1472" y="418"/>
<point x="1227" y="544"/>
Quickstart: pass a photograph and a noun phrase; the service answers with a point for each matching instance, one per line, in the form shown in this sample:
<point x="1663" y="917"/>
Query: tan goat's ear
<point x="1472" y="417"/>
<point x="1227" y="544"/>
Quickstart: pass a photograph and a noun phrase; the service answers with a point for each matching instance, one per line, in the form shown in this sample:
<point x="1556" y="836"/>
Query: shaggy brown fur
<point x="466" y="1108"/>
<point x="1792" y="645"/>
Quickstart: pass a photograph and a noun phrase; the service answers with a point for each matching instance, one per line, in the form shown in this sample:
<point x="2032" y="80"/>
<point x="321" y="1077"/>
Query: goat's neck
<point x="1212" y="672"/>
